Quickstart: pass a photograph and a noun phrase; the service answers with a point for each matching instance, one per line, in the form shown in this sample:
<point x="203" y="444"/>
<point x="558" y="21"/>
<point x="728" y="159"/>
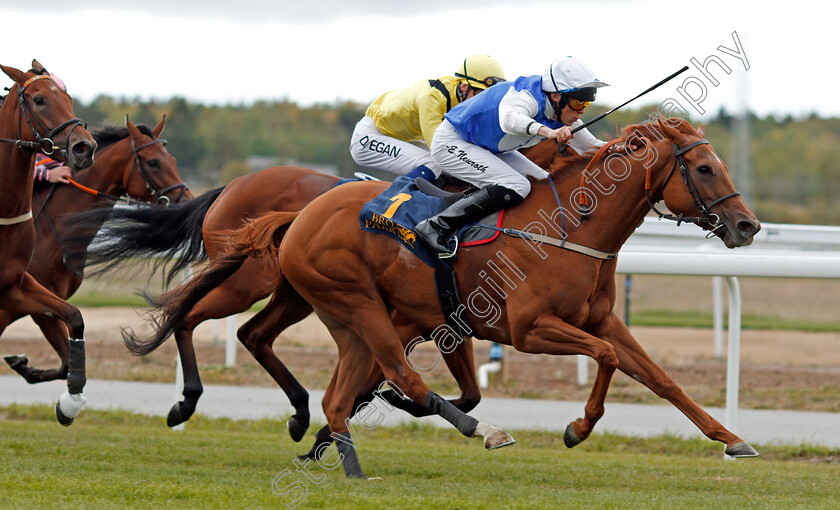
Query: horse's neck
<point x="109" y="168"/>
<point x="16" y="180"/>
<point x="105" y="176"/>
<point x="620" y="207"/>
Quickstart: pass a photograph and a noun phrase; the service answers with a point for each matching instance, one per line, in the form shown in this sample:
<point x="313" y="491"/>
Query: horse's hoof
<point x="62" y="419"/>
<point x="297" y="428"/>
<point x="175" y="416"/>
<point x="570" y="438"/>
<point x="304" y="458"/>
<point x="16" y="361"/>
<point x="498" y="440"/>
<point x="740" y="450"/>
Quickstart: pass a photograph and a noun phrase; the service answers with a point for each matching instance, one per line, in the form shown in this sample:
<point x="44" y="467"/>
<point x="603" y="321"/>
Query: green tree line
<point x="794" y="160"/>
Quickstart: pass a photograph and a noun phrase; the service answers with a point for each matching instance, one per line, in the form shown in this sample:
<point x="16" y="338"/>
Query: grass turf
<point x="113" y="459"/>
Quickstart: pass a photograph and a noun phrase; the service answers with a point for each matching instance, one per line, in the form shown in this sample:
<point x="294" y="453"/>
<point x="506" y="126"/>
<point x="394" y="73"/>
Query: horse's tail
<point x="258" y="238"/>
<point x="163" y="236"/>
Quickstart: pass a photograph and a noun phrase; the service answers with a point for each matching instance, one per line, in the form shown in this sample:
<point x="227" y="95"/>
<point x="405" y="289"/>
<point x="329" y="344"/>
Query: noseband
<point x="709" y="218"/>
<point x="44" y="145"/>
<point x="154" y="190"/>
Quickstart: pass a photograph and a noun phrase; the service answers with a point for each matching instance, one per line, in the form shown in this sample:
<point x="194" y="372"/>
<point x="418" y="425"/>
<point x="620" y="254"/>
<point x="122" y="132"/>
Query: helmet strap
<point x="461" y="91"/>
<point x="557" y="105"/>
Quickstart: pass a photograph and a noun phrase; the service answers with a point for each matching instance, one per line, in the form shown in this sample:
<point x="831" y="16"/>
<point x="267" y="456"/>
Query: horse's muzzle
<point x="741" y="233"/>
<point x="80" y="154"/>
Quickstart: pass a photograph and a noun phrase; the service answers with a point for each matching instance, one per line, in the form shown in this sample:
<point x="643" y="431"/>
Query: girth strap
<point x="16" y="219"/>
<point x="449" y="298"/>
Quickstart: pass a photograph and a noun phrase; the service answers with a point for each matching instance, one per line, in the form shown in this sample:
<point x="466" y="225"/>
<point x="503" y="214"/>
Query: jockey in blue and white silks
<point x="478" y="139"/>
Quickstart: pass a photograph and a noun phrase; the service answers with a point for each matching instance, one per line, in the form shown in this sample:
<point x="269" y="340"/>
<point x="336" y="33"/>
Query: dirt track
<point x="779" y="369"/>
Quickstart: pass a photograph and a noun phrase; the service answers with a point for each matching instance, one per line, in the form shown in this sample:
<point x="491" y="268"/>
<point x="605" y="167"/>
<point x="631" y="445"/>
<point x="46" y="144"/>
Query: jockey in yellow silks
<point x="396" y="131"/>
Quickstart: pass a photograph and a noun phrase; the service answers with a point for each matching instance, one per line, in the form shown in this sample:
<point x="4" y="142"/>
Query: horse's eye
<point x="704" y="169"/>
<point x="38" y="100"/>
<point x="153" y="163"/>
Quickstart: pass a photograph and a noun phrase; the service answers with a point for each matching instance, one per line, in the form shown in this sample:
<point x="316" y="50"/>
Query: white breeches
<point x="372" y="149"/>
<point x="480" y="167"/>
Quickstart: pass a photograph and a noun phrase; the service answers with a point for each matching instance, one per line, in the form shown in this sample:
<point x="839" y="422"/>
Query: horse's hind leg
<point x="635" y="362"/>
<point x="56" y="334"/>
<point x="235" y="295"/>
<point x="32" y="298"/>
<point x="460" y="361"/>
<point x="355" y="363"/>
<point x="285" y="308"/>
<point x="373" y="325"/>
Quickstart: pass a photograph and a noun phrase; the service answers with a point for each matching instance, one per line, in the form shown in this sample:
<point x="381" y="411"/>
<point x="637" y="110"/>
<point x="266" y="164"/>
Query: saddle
<point x="406" y="203"/>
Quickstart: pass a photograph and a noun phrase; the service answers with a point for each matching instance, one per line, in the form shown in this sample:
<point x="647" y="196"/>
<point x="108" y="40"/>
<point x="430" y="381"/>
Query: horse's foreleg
<point x="56" y="334"/>
<point x="18" y="362"/>
<point x="285" y="308"/>
<point x="32" y="298"/>
<point x="551" y="335"/>
<point x="635" y="362"/>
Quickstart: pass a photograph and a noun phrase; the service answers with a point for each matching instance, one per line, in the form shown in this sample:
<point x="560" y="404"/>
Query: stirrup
<point x="454" y="254"/>
<point x="364" y="177"/>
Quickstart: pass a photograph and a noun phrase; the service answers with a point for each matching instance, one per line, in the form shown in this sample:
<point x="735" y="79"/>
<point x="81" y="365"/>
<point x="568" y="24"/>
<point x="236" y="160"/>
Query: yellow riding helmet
<point x="480" y="71"/>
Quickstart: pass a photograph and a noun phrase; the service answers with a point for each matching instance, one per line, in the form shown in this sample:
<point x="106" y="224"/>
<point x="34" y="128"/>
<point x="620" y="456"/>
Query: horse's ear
<point x="701" y="131"/>
<point x="36" y="66"/>
<point x="15" y="74"/>
<point x="670" y="132"/>
<point x="132" y="129"/>
<point x="159" y="128"/>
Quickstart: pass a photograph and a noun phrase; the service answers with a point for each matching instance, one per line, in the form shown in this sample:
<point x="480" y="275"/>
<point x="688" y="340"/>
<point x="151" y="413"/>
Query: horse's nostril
<point x="747" y="228"/>
<point x="82" y="149"/>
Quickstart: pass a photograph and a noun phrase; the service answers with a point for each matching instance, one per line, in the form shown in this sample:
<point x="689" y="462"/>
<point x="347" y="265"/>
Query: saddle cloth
<point x="403" y="205"/>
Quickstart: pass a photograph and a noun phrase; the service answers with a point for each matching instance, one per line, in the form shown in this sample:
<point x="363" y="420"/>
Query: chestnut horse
<point x="131" y="161"/>
<point x="552" y="301"/>
<point x="37" y="115"/>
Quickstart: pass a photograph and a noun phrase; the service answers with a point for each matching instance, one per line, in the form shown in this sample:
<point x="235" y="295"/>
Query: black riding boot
<point x="437" y="229"/>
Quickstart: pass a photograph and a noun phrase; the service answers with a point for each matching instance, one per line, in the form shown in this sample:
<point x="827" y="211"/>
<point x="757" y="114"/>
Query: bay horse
<point x="37" y="116"/>
<point x="132" y="233"/>
<point x="130" y="161"/>
<point x="557" y="302"/>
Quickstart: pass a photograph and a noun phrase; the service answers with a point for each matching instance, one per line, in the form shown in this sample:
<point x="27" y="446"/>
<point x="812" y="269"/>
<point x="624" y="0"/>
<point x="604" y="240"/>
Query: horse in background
<point x="37" y="116"/>
<point x="146" y="232"/>
<point x="130" y="161"/>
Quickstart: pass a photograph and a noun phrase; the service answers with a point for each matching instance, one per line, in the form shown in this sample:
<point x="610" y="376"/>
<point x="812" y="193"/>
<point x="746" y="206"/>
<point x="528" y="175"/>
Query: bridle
<point x="154" y="190"/>
<point x="709" y="218"/>
<point x="42" y="144"/>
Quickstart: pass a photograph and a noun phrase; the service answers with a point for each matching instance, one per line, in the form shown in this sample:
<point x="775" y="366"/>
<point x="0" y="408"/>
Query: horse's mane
<point x="110" y="134"/>
<point x="647" y="128"/>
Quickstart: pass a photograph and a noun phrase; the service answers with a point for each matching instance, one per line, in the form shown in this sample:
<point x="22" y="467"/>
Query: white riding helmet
<point x="567" y="74"/>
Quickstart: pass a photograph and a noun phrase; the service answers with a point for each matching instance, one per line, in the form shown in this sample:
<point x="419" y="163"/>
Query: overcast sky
<point x="322" y="51"/>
